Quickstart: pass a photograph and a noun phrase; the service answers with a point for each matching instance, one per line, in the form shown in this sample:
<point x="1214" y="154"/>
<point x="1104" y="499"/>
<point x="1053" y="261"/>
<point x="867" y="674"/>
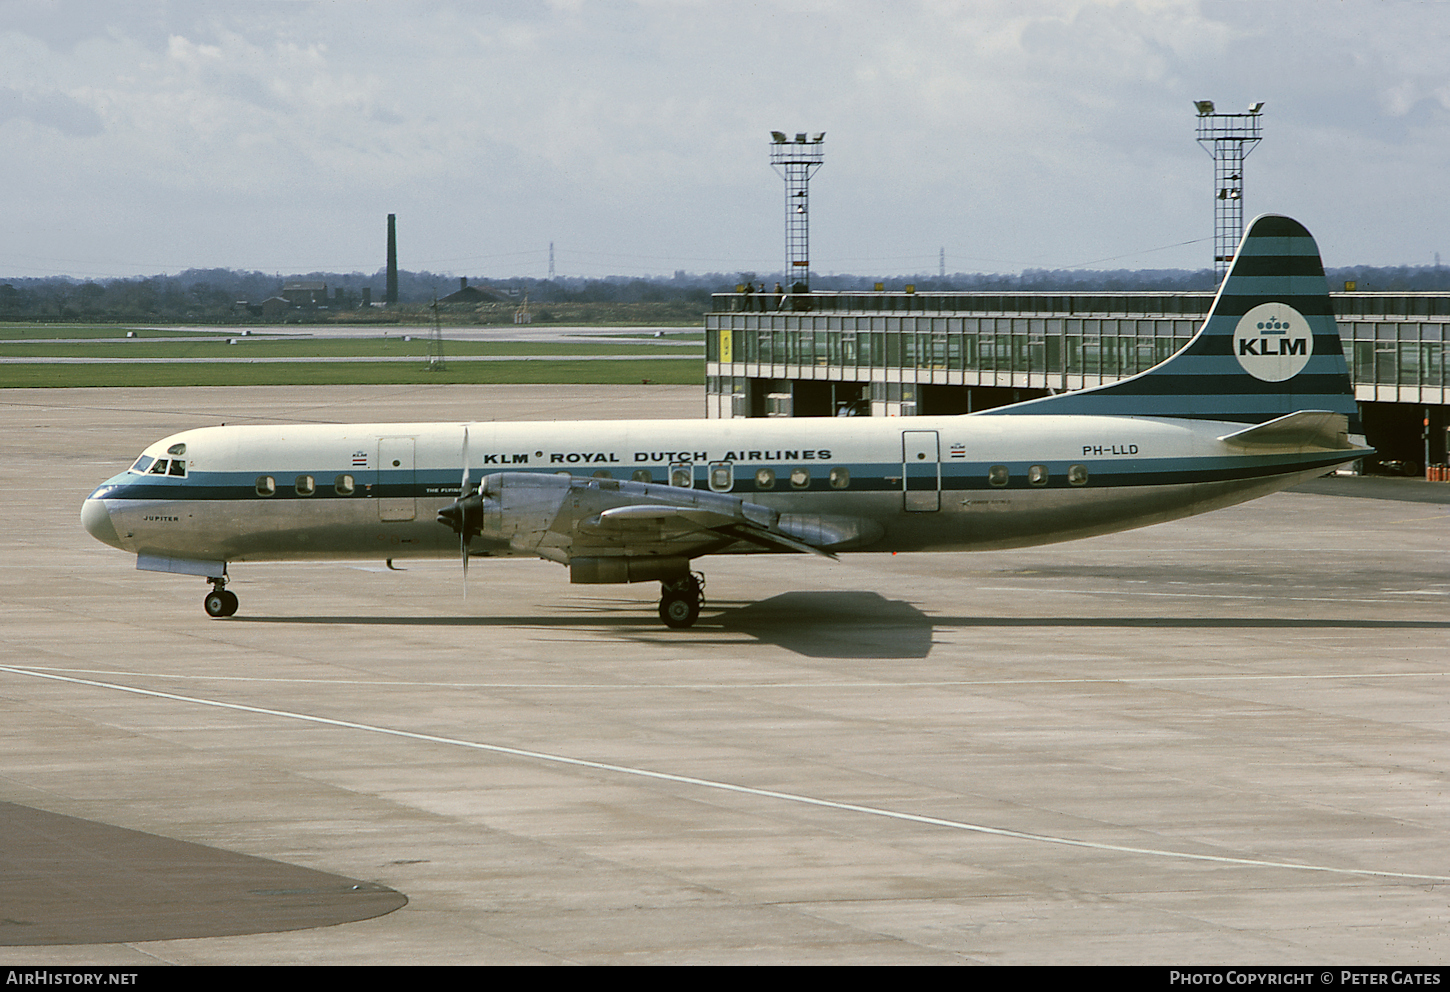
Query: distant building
<point x="891" y="354"/>
<point x="469" y="294"/>
<point x="304" y="293"/>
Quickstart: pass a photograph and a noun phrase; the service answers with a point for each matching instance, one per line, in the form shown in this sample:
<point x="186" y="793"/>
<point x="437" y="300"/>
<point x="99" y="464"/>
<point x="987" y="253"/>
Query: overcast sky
<point x="146" y="137"/>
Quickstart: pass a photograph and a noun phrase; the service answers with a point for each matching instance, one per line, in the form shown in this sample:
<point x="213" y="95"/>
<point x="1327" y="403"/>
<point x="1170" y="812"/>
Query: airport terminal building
<point x="900" y="354"/>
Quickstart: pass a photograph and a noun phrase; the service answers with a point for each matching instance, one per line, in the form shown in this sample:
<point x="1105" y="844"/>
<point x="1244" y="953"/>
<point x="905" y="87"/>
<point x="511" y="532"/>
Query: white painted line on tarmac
<point x="739" y="789"/>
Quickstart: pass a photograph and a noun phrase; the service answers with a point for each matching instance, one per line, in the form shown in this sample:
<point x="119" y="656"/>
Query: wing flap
<point x="740" y="525"/>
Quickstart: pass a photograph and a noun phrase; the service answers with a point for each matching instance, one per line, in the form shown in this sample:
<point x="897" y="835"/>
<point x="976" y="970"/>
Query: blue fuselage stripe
<point x="864" y="477"/>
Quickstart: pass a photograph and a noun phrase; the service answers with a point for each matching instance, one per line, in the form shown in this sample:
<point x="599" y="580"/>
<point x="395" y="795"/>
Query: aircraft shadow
<point x="835" y="625"/>
<point x="849" y="624"/>
<point x="75" y="881"/>
<point x="814" y="624"/>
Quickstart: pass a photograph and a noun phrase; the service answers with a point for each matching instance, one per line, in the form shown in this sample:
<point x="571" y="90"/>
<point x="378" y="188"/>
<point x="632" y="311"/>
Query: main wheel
<point x="216" y="603"/>
<point x="232" y="602"/>
<point x="679" y="611"/>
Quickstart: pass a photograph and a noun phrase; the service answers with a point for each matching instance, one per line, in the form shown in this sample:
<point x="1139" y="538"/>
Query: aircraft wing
<point x="561" y="517"/>
<point x="754" y="531"/>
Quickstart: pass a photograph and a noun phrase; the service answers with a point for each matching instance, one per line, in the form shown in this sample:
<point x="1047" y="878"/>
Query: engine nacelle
<point x="520" y="508"/>
<point x="654" y="568"/>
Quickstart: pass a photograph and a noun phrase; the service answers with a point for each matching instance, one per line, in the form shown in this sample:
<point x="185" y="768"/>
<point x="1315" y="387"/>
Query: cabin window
<point x="344" y="485"/>
<point x="641" y="475"/>
<point x="800" y="478"/>
<point x="142" y="464"/>
<point x="840" y="478"/>
<point x="1037" y="475"/>
<point x="682" y="476"/>
<point x="722" y="476"/>
<point x="765" y="478"/>
<point x="305" y="485"/>
<point x="1077" y="475"/>
<point x="177" y="449"/>
<point x="603" y="473"/>
<point x="998" y="475"/>
<point x="266" y="485"/>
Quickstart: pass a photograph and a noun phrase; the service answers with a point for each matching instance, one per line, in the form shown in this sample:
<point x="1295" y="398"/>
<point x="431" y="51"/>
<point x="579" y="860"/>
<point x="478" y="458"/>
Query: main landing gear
<point x="681" y="599"/>
<point x="219" y="602"/>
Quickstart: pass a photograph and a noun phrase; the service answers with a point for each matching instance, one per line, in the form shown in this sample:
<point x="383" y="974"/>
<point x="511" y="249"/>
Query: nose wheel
<point x="681" y="599"/>
<point x="220" y="602"/>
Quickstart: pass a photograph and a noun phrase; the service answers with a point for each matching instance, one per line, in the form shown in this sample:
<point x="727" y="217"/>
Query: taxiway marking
<point x="730" y="787"/>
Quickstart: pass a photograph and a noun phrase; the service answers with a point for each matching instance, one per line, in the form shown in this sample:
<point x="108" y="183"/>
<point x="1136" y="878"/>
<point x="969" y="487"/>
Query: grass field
<point x="327" y="348"/>
<point x="51" y="332"/>
<point x="221" y="358"/>
<point x="666" y="371"/>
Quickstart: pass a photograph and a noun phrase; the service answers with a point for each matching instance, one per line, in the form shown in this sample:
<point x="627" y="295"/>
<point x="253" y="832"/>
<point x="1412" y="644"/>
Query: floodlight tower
<point x="1228" y="138"/>
<point x="796" y="161"/>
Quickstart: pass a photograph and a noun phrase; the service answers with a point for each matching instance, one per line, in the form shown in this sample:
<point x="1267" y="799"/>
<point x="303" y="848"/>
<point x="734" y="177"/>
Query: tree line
<point x="215" y="295"/>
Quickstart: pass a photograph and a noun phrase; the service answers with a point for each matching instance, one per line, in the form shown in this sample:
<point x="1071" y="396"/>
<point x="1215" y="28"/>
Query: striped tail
<point x="1268" y="348"/>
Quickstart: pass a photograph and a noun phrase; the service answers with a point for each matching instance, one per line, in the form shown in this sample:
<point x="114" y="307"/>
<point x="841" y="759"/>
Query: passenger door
<point x="921" y="471"/>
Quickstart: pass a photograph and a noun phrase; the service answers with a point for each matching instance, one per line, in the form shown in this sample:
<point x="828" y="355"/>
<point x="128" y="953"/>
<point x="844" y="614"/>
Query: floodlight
<point x="778" y="137"/>
<point x="1254" y="108"/>
<point x="1205" y="107"/>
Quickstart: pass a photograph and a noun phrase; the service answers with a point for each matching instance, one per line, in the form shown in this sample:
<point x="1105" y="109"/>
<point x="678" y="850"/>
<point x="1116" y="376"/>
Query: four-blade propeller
<point x="465" y="514"/>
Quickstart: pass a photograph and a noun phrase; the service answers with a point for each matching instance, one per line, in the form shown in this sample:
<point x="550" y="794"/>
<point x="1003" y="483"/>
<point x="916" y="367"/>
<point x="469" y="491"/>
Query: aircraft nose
<point x="96" y="519"/>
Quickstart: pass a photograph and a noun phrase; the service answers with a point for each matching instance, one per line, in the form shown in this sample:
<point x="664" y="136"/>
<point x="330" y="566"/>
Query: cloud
<point x="50" y="109"/>
<point x="1016" y="134"/>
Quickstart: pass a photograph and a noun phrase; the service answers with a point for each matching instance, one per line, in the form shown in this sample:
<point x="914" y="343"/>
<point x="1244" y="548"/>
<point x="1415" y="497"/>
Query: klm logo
<point x="1274" y="346"/>
<point x="1273" y="342"/>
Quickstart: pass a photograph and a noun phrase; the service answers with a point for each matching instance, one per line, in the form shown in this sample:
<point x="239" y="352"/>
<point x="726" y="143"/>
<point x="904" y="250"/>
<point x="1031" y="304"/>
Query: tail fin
<point x="1269" y="347"/>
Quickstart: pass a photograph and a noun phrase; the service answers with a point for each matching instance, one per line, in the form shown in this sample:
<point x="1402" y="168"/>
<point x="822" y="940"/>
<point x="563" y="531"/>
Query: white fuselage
<point x="307" y="492"/>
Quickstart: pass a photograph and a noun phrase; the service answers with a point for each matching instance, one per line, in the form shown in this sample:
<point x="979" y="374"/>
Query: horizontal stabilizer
<point x="1305" y="429"/>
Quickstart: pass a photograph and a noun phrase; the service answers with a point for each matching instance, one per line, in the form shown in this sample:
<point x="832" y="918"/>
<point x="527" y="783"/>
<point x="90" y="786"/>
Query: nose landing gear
<point x="681" y="599"/>
<point x="219" y="602"/>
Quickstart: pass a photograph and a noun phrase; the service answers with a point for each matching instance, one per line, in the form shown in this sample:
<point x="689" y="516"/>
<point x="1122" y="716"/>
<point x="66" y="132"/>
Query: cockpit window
<point x="162" y="466"/>
<point x="142" y="464"/>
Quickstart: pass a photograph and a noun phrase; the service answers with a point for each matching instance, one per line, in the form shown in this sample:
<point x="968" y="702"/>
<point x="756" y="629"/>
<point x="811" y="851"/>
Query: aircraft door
<point x="921" y="471"/>
<point x="397" y="476"/>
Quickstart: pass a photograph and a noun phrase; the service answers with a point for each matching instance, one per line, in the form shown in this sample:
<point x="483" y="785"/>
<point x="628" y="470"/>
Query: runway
<point x="1221" y="740"/>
